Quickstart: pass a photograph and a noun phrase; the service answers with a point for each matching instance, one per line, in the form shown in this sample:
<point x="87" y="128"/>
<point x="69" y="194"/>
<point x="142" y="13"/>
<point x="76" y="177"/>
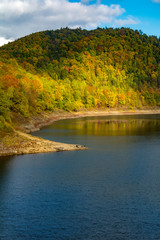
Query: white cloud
<point x="4" y="41"/>
<point x="19" y="17"/>
<point x="128" y="21"/>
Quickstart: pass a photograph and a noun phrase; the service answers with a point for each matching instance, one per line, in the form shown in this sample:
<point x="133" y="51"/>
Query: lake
<point x="110" y="191"/>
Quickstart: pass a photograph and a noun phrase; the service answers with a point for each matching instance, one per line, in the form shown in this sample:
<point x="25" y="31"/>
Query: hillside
<point x="78" y="69"/>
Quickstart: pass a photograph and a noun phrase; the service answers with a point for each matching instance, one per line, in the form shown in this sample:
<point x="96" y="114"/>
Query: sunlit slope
<point x="73" y="69"/>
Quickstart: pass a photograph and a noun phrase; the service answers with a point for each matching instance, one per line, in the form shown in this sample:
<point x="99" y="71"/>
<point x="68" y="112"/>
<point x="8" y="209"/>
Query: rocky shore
<point x="20" y="142"/>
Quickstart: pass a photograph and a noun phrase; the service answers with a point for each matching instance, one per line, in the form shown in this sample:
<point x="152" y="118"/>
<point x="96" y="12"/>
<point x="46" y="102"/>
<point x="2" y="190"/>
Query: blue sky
<point x="146" y="13"/>
<point x="22" y="17"/>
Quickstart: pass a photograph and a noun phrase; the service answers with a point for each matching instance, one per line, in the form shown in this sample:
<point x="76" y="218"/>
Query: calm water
<point x="110" y="191"/>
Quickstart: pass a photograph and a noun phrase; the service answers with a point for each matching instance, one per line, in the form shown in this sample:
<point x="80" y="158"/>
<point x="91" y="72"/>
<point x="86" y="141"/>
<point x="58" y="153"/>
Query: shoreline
<point x="35" y="123"/>
<point x="20" y="142"/>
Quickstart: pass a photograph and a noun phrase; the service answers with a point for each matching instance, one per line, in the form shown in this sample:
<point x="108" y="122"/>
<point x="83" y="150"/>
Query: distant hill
<point x="74" y="69"/>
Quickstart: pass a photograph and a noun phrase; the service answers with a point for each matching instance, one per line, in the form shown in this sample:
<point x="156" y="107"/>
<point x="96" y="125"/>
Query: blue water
<point x="110" y="191"/>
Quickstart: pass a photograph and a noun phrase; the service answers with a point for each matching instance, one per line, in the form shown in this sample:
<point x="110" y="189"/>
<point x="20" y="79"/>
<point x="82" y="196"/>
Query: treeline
<point x="74" y="69"/>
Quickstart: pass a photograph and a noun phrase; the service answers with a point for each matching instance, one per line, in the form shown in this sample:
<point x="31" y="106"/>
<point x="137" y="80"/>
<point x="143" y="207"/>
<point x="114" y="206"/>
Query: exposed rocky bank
<point x="17" y="143"/>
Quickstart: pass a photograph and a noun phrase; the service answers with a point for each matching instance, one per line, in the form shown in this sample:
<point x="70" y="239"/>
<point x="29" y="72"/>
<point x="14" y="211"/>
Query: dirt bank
<point x="35" y="123"/>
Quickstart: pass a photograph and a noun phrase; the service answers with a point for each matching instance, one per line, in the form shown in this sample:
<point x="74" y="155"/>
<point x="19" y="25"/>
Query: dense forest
<point x="76" y="69"/>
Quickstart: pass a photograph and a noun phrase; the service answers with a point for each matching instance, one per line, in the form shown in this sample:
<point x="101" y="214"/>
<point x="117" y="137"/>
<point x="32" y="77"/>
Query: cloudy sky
<point x="22" y="17"/>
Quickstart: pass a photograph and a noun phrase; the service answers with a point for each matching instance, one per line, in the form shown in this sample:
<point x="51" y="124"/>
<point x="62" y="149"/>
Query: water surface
<point x="110" y="191"/>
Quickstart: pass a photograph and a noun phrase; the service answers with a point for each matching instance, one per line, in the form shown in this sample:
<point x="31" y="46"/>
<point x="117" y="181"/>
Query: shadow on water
<point x="4" y="175"/>
<point x="4" y="169"/>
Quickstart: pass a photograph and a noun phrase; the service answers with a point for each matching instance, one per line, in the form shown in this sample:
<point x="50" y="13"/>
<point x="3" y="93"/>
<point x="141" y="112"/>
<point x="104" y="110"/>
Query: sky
<point x="19" y="18"/>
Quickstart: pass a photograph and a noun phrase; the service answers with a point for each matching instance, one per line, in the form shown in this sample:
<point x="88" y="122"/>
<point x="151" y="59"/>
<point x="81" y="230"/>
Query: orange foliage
<point x="37" y="85"/>
<point x="9" y="81"/>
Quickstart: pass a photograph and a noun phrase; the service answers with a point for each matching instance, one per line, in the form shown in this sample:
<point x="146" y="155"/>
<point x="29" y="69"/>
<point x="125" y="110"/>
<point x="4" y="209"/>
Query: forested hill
<point x="73" y="69"/>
